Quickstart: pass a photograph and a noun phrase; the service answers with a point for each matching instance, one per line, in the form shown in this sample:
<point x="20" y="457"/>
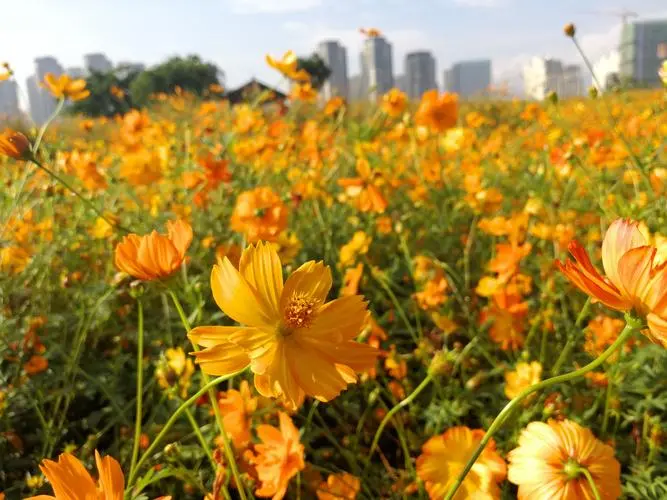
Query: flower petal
<point x="248" y="338"/>
<point x="657" y="329"/>
<point x="237" y="298"/>
<point x="339" y="320"/>
<point x="111" y="477"/>
<point x="623" y="235"/>
<point x="634" y="271"/>
<point x="312" y="279"/>
<point x="222" y="359"/>
<point x="180" y="234"/>
<point x="261" y="268"/>
<point x="69" y="478"/>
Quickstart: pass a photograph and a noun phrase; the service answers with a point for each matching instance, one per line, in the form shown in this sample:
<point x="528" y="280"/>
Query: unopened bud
<point x="570" y="30"/>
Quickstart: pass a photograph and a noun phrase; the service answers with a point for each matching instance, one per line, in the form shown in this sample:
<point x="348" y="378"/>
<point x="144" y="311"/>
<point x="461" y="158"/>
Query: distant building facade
<point x="419" y="73"/>
<point x="541" y="76"/>
<point x="9" y="99"/>
<point x="401" y="83"/>
<point x="607" y="70"/>
<point x="469" y="78"/>
<point x="97" y="63"/>
<point x="377" y="68"/>
<point x="643" y="48"/>
<point x="76" y="72"/>
<point x="334" y="56"/>
<point x="42" y="104"/>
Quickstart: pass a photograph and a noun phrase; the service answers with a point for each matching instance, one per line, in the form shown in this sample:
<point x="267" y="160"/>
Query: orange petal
<point x="261" y="268"/>
<point x="623" y="235"/>
<point x="69" y="478"/>
<point x="180" y="234"/>
<point x="657" y="329"/>
<point x="634" y="271"/>
<point x="110" y="476"/>
<point x="312" y="279"/>
<point x="237" y="298"/>
<point x="222" y="359"/>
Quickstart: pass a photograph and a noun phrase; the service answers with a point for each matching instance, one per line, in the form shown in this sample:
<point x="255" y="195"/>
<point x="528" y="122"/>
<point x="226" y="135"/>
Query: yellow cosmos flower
<point x="522" y="377"/>
<point x="63" y="87"/>
<point x="295" y="342"/>
<point x="288" y="66"/>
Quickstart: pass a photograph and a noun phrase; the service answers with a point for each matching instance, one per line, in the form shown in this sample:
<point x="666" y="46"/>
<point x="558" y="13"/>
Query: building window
<point x="662" y="50"/>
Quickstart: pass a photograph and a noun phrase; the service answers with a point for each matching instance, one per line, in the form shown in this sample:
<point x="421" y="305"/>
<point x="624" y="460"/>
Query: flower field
<point x="201" y="300"/>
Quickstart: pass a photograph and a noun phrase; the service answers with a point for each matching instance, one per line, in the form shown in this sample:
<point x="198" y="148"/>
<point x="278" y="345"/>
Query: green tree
<point x="317" y="69"/>
<point x="109" y="93"/>
<point x="189" y="73"/>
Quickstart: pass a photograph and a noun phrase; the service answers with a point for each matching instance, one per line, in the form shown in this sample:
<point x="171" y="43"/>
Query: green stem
<point x="631" y="327"/>
<point x="395" y="302"/>
<point x="607" y="401"/>
<point x="200" y="437"/>
<point x="229" y="453"/>
<point x="424" y="383"/>
<point x="172" y="420"/>
<point x="85" y="200"/>
<point x="42" y="130"/>
<point x="140" y="386"/>
<point x="591" y="483"/>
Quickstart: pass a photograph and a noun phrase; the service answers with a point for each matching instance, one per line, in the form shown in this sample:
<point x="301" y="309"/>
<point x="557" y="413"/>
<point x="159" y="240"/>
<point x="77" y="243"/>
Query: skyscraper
<point x="377" y="66"/>
<point x="42" y="104"/>
<point x="469" y="78"/>
<point x="643" y="48"/>
<point x="9" y="99"/>
<point x="419" y="73"/>
<point x="97" y="63"/>
<point x="335" y="57"/>
<point x="76" y="72"/>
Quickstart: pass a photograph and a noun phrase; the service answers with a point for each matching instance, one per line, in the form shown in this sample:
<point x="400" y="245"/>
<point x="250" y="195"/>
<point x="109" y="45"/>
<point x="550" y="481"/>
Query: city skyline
<point x="506" y="31"/>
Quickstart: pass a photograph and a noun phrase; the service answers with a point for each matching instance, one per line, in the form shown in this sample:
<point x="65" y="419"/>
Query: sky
<point x="236" y="34"/>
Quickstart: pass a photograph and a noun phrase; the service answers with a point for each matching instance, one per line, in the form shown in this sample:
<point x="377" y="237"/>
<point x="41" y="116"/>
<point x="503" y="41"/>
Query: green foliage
<point x="109" y="93"/>
<point x="188" y="73"/>
<point x="317" y="69"/>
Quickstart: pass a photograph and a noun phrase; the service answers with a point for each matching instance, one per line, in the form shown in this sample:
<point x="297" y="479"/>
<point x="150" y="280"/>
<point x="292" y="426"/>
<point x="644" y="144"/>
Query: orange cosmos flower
<point x="364" y="189"/>
<point x="279" y="458"/>
<point x="15" y="145"/>
<point x="303" y="92"/>
<point x="36" y="364"/>
<point x="237" y="408"/>
<point x="71" y="481"/>
<point x="370" y="32"/>
<point x="523" y="376"/>
<point x="260" y="214"/>
<point x="508" y="313"/>
<point x="443" y="457"/>
<point x="154" y="256"/>
<point x="288" y="66"/>
<point x="601" y="332"/>
<point x="63" y="87"/>
<point x="333" y="105"/>
<point x="351" y="280"/>
<point x="296" y="344"/>
<point x="343" y="486"/>
<point x="549" y="460"/>
<point x="634" y="281"/>
<point x="394" y="102"/>
<point x="438" y="112"/>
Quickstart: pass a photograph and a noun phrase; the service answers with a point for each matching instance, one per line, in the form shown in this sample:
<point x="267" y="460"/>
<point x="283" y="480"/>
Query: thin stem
<point x="140" y="386"/>
<point x="200" y="437"/>
<point x="631" y="327"/>
<point x="229" y="453"/>
<point x="172" y="420"/>
<point x="395" y="302"/>
<point x="42" y="130"/>
<point x="85" y="200"/>
<point x="591" y="483"/>
<point x="424" y="383"/>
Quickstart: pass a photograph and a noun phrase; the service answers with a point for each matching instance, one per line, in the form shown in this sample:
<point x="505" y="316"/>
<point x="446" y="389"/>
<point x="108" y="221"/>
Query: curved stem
<point x="424" y="383"/>
<point x="200" y="437"/>
<point x="85" y="200"/>
<point x="179" y="411"/>
<point x="229" y="453"/>
<point x="591" y="483"/>
<point x="631" y="327"/>
<point x="140" y="386"/>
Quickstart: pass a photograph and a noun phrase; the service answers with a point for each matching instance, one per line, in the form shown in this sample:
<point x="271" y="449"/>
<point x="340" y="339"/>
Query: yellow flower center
<point x="299" y="313"/>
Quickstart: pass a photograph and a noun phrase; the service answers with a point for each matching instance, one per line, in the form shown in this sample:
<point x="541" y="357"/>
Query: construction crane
<point x="623" y="14"/>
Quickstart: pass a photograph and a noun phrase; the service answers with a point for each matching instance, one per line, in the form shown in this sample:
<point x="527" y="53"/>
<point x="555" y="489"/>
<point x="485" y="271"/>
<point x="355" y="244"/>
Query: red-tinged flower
<point x="634" y="280"/>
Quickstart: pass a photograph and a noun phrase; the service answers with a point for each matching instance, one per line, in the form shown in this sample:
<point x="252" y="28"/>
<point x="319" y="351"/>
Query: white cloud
<point x="272" y="6"/>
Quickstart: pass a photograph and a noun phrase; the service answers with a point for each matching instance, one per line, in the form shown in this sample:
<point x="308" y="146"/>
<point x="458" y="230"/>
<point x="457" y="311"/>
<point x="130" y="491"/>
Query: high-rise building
<point x="377" y="68"/>
<point x="469" y="78"/>
<point x="334" y="56"/>
<point x="541" y="76"/>
<point x="643" y="48"/>
<point x="420" y="73"/>
<point x="401" y="83"/>
<point x="42" y="104"/>
<point x="9" y="99"/>
<point x="97" y="63"/>
<point x="76" y="72"/>
<point x="606" y="70"/>
<point x="357" y="91"/>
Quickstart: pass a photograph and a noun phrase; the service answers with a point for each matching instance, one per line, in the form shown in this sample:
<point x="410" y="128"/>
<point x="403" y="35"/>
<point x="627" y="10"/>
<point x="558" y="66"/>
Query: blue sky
<point x="235" y="34"/>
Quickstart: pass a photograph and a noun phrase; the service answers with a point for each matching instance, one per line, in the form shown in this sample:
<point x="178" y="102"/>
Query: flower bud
<point x="570" y="30"/>
<point x="15" y="145"/>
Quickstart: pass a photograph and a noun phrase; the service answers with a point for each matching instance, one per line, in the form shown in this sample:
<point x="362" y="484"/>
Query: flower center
<point x="299" y="312"/>
<point x="572" y="469"/>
